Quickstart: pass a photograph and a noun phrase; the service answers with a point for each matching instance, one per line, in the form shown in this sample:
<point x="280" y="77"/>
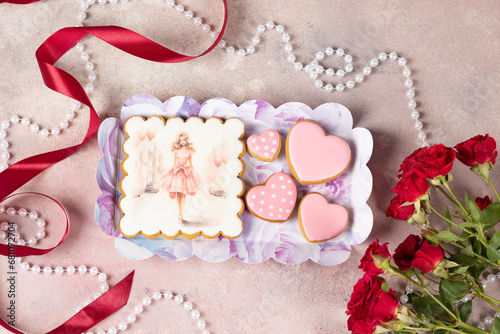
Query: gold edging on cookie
<point x="302" y="227"/>
<point x="275" y="154"/>
<point x="185" y="235"/>
<point x="269" y="220"/>
<point x="287" y="151"/>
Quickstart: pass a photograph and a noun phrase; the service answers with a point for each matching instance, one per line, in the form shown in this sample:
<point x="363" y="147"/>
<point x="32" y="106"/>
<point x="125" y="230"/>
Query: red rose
<point x="411" y="187"/>
<point x="367" y="264"/>
<point x="483" y="203"/>
<point x="409" y="161"/>
<point x="399" y="211"/>
<point x="477" y="150"/>
<point x="370" y="306"/>
<point x="429" y="162"/>
<point x="417" y="253"/>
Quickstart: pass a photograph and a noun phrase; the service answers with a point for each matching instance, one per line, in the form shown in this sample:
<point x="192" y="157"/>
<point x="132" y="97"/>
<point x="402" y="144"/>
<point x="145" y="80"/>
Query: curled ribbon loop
<point x="62" y="82"/>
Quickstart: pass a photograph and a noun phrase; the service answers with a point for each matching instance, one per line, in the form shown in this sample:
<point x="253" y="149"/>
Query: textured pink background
<point x="452" y="49"/>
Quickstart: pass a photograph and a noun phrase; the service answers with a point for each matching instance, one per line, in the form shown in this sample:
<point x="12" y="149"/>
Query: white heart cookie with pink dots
<point x="266" y="146"/>
<point x="274" y="200"/>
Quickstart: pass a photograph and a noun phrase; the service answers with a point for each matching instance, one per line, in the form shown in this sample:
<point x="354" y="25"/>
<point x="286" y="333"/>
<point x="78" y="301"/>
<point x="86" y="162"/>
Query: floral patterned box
<point x="260" y="240"/>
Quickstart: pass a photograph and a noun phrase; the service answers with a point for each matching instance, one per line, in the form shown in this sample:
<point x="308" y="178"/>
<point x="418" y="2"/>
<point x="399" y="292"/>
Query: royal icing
<point x="182" y="177"/>
<point x="320" y="220"/>
<point x="265" y="146"/>
<point x="313" y="156"/>
<point x="273" y="200"/>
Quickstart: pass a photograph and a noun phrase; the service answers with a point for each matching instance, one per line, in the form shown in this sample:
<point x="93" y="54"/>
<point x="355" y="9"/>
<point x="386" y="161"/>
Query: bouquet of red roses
<point x="444" y="268"/>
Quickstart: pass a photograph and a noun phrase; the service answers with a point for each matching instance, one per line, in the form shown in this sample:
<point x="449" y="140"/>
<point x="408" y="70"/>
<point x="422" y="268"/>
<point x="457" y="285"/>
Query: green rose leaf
<point x="447" y="236"/>
<point x="492" y="250"/>
<point x="421" y="305"/>
<point x="496" y="326"/>
<point x="463" y="259"/>
<point x="468" y="251"/>
<point x="473" y="208"/>
<point x="476" y="270"/>
<point x="452" y="290"/>
<point x="490" y="215"/>
<point x="465" y="311"/>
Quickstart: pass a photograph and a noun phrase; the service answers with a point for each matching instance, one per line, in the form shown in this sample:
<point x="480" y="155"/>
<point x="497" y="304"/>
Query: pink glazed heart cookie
<point x="274" y="200"/>
<point x="320" y="220"/>
<point x="314" y="156"/>
<point x="266" y="146"/>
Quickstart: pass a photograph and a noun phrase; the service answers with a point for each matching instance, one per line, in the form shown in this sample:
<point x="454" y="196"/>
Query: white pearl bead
<point x="201" y="324"/>
<point x="348" y="58"/>
<point x="11" y="211"/>
<point x="179" y="8"/>
<point x="3" y="167"/>
<point x="406" y="72"/>
<point x="40" y="222"/>
<point x="205" y="28"/>
<point x="308" y="69"/>
<point x="230" y="49"/>
<point x="4" y="226"/>
<point x="138" y="309"/>
<point x="408" y="83"/>
<point x="339" y="88"/>
<point x="47" y="270"/>
<point x="422" y="136"/>
<point x="4" y="124"/>
<point x="214" y="35"/>
<point x="40" y="234"/>
<point x="298" y="66"/>
<point x="329" y="51"/>
<point x="89" y="87"/>
<point x="330" y="72"/>
<point x="339" y="52"/>
<point x="349" y="84"/>
<point x="70" y="270"/>
<point x="21" y="242"/>
<point x="146" y="301"/>
<point x="318" y="83"/>
<point x="92" y="77"/>
<point x="195" y="314"/>
<point x="481" y="326"/>
<point x="205" y="332"/>
<point x="382" y="56"/>
<point x="170" y="3"/>
<point x="373" y="62"/>
<point x="35" y="269"/>
<point x="101" y="2"/>
<point x="497" y="315"/>
<point x="33" y="215"/>
<point x="44" y="132"/>
<point x="404" y="299"/>
<point x="93" y="271"/>
<point x="89" y="66"/>
<point x="14" y="119"/>
<point x="3" y="235"/>
<point x="359" y="78"/>
<point x="131" y="318"/>
<point x="55" y="131"/>
<point x="280" y="29"/>
<point x="340" y="73"/>
<point x="222" y="43"/>
<point x="91" y="2"/>
<point x="3" y="134"/>
<point x="157" y="295"/>
<point x="84" y="56"/>
<point x="168" y="295"/>
<point x="102" y="277"/>
<point x="414" y="114"/>
<point x="34" y="127"/>
<point x="367" y="70"/>
<point x="104" y="287"/>
<point x="197" y="21"/>
<point x="484" y="285"/>
<point x="410" y="93"/>
<point x="393" y="56"/>
<point x="70" y="115"/>
<point x="255" y="40"/>
<point x="82" y="269"/>
<point x="5" y="156"/>
<point x="412" y="104"/>
<point x="290" y="58"/>
<point x="188" y="15"/>
<point x="329" y="88"/>
<point x="401" y="61"/>
<point x="25" y="121"/>
<point x="269" y="25"/>
<point x="409" y="289"/>
<point x="122" y="326"/>
<point x="112" y="330"/>
<point x="488" y="321"/>
<point x="319" y="55"/>
<point x="97" y="295"/>
<point x="2" y="210"/>
<point x="348" y="68"/>
<point x="188" y="306"/>
<point x="25" y="266"/>
<point x="288" y="48"/>
<point x="285" y="38"/>
<point x="82" y="16"/>
<point x="261" y="29"/>
<point x="418" y="125"/>
<point x="241" y="53"/>
<point x="59" y="270"/>
<point x="313" y="75"/>
<point x="319" y="69"/>
<point x="63" y="124"/>
<point x="491" y="278"/>
<point x="179" y="299"/>
<point x="79" y="24"/>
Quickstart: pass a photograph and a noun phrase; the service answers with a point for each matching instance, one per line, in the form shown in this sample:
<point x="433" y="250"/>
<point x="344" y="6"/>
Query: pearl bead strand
<point x="7" y="229"/>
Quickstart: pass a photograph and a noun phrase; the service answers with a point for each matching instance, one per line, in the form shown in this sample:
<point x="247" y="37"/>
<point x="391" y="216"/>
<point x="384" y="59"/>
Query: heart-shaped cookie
<point x="320" y="220"/>
<point x="266" y="146"/>
<point x="314" y="156"/>
<point x="274" y="200"/>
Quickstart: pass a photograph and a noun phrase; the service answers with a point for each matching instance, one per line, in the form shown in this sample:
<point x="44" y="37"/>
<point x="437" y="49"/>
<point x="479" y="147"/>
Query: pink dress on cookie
<point x="182" y="178"/>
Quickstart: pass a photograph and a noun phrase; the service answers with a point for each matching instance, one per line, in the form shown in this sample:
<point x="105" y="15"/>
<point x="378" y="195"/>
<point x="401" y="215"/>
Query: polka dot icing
<point x="276" y="205"/>
<point x="265" y="146"/>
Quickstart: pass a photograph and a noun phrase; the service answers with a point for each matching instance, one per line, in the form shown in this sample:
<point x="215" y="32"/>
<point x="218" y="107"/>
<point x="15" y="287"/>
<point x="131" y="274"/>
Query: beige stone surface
<point x="452" y="49"/>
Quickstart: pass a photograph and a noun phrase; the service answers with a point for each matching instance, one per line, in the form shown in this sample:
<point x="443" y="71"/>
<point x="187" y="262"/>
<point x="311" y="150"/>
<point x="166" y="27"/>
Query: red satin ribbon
<point x="62" y="82"/>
